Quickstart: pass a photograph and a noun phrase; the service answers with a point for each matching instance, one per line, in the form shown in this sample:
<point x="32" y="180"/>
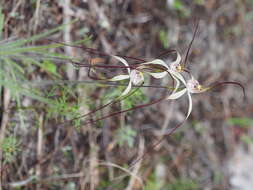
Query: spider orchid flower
<point x="192" y="86"/>
<point x="158" y="69"/>
<point x="135" y="76"/>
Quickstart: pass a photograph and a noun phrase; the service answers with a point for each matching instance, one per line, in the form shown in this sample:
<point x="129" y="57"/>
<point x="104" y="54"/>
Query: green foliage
<point x="199" y="2"/>
<point x="126" y="135"/>
<point x="182" y="184"/>
<point x="247" y="139"/>
<point x="1" y="22"/>
<point x="178" y="5"/>
<point x="16" y="59"/>
<point x="250" y="1"/>
<point x="198" y="127"/>
<point x="163" y="35"/>
<point x="240" y="121"/>
<point x="67" y="151"/>
<point x="107" y="184"/>
<point x="62" y="106"/>
<point x="10" y="148"/>
<point x="152" y="183"/>
<point x="218" y="177"/>
<point x="70" y="186"/>
<point x="50" y="67"/>
<point x="19" y="62"/>
<point x="178" y="184"/>
<point x="135" y="99"/>
<point x="181" y="8"/>
<point x="111" y="94"/>
<point x="234" y="30"/>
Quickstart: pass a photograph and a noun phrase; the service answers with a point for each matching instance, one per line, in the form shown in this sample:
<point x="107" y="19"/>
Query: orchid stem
<point x="229" y="82"/>
<point x="166" y="52"/>
<point x="130" y="109"/>
<point x="105" y="105"/>
<point x="158" y="142"/>
<point x="96" y="52"/>
<point x="190" y="45"/>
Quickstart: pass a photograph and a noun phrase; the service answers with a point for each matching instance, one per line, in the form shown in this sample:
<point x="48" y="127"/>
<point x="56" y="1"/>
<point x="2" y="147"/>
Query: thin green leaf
<point x="10" y="51"/>
<point x="1" y="22"/>
<point x="240" y="121"/>
<point x="14" y="65"/>
<point x="21" y="42"/>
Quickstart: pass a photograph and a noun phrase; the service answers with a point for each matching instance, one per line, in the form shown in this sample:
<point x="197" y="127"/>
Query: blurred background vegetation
<point x="40" y="150"/>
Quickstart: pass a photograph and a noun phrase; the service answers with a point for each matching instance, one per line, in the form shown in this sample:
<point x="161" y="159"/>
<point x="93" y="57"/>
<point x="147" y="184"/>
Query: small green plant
<point x="163" y="35"/>
<point x="17" y="57"/>
<point x="153" y="183"/>
<point x="240" y="121"/>
<point x="178" y="184"/>
<point x="107" y="184"/>
<point x="199" y="127"/>
<point x="62" y="107"/>
<point x="10" y="148"/>
<point x="181" y="8"/>
<point x="182" y="184"/>
<point x="199" y="2"/>
<point x="19" y="61"/>
<point x="50" y="67"/>
<point x="247" y="139"/>
<point x="126" y="135"/>
<point x="250" y="1"/>
<point x="138" y="97"/>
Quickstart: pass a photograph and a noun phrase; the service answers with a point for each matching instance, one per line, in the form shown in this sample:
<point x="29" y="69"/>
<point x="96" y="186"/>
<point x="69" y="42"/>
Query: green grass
<point x="126" y="135"/>
<point x="178" y="184"/>
<point x="10" y="148"/>
<point x="182" y="9"/>
<point x="63" y="108"/>
<point x="182" y="184"/>
<point x="240" y="121"/>
<point x="153" y="183"/>
<point x="163" y="35"/>
<point x="15" y="61"/>
<point x="19" y="63"/>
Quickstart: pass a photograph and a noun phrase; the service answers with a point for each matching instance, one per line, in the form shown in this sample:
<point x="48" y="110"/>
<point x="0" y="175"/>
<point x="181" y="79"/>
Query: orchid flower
<point x="136" y="77"/>
<point x="192" y="86"/>
<point x="156" y="68"/>
<point x="163" y="69"/>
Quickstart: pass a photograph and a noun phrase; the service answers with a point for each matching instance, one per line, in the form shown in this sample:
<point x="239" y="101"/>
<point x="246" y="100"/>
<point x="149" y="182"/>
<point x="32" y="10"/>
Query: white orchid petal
<point x="127" y="90"/>
<point x="158" y="75"/>
<point x="179" y="76"/>
<point x="178" y="60"/>
<point x="177" y="95"/>
<point x="190" y="105"/>
<point x="120" y="77"/>
<point x="122" y="61"/>
<point x="177" y="84"/>
<point x="158" y="62"/>
<point x="161" y="74"/>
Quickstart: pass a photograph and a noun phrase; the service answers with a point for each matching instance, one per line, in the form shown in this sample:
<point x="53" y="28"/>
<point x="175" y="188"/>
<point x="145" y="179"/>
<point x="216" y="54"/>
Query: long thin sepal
<point x="190" y="45"/>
